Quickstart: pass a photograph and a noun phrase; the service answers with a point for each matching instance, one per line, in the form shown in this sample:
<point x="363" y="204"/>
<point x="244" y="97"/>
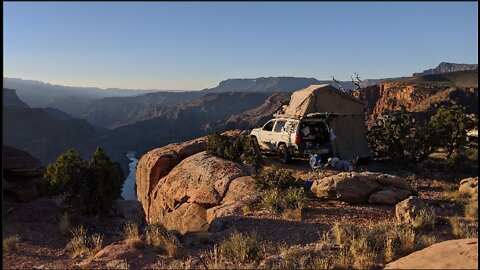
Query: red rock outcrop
<point x="421" y="94"/>
<point x="21" y="173"/>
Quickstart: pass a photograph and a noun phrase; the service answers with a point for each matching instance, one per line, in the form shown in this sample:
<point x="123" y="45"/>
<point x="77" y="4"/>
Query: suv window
<point x="269" y="126"/>
<point x="279" y="126"/>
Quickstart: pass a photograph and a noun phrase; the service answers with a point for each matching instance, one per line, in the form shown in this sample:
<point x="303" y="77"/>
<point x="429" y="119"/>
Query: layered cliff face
<point x="422" y="94"/>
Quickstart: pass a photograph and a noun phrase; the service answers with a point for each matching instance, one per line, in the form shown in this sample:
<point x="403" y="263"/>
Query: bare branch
<point x="338" y="83"/>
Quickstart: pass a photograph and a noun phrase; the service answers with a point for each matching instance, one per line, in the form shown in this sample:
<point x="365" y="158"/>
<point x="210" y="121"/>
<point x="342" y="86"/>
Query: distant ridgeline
<point x="445" y="67"/>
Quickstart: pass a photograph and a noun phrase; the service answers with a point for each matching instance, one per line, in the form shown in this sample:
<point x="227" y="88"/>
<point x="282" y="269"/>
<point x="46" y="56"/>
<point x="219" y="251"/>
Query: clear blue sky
<point x="188" y="45"/>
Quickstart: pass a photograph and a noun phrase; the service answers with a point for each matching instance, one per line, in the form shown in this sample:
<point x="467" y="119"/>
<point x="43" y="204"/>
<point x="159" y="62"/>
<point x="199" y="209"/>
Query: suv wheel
<point x="283" y="154"/>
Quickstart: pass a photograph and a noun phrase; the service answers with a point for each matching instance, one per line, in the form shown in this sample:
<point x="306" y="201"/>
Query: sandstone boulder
<point x="452" y="254"/>
<point x="196" y="192"/>
<point x="408" y="209"/>
<point x="363" y="187"/>
<point x="117" y="251"/>
<point x="159" y="162"/>
<point x="469" y="186"/>
<point x="390" y="195"/>
<point x="22" y="173"/>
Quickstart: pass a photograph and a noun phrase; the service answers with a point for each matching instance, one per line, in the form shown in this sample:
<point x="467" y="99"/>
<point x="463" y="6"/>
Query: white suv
<point x="288" y="137"/>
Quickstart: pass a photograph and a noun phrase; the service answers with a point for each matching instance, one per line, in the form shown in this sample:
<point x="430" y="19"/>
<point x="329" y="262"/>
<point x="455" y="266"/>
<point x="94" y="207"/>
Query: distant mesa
<point x="271" y="84"/>
<point x="445" y="67"/>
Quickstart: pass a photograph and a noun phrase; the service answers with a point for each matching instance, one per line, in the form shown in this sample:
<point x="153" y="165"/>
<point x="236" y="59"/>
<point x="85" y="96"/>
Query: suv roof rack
<point x="310" y="115"/>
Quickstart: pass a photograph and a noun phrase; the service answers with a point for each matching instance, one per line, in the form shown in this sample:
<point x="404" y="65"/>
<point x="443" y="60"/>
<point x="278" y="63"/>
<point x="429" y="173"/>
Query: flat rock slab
<point x="452" y="254"/>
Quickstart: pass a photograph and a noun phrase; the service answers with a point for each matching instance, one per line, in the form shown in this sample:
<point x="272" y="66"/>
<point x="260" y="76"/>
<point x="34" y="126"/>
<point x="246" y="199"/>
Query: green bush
<point x="274" y="178"/>
<point x="280" y="190"/>
<point x="235" y="148"/>
<point x="89" y="186"/>
<point x="293" y="198"/>
<point x="401" y="139"/>
<point x="452" y="124"/>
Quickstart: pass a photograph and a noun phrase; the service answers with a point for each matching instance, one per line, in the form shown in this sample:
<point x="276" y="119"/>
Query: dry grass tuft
<point x="131" y="234"/>
<point x="424" y="220"/>
<point x="10" y="243"/>
<point x="96" y="241"/>
<point x="461" y="229"/>
<point x="157" y="236"/>
<point x="471" y="209"/>
<point x="78" y="244"/>
<point x="240" y="247"/>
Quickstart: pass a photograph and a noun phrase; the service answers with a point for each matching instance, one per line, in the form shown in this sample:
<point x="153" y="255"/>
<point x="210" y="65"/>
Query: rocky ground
<point x="41" y="244"/>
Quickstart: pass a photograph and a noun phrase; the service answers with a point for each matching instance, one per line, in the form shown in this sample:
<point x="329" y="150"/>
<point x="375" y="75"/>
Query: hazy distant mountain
<point x="184" y="121"/>
<point x="10" y="98"/>
<point x="445" y="67"/>
<point x="58" y="114"/>
<point x="113" y="112"/>
<point x="40" y="94"/>
<point x="270" y="84"/>
<point x="257" y="116"/>
<point x="47" y="132"/>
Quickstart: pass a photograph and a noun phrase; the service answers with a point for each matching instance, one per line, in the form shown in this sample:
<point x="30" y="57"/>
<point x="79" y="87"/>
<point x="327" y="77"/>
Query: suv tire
<point x="283" y="154"/>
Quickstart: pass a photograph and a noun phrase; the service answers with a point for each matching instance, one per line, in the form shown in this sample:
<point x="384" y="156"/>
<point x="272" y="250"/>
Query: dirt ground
<point x="42" y="246"/>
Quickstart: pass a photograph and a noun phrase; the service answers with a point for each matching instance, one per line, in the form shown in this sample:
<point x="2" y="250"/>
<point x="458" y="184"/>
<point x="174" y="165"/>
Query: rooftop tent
<point x="349" y="127"/>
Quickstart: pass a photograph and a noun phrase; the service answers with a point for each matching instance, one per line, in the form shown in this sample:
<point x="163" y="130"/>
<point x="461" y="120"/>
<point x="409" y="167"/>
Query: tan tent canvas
<point x="349" y="127"/>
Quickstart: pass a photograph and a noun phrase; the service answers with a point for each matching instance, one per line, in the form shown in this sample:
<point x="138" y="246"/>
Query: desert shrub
<point x="401" y="139"/>
<point x="452" y="124"/>
<point x="271" y="201"/>
<point x="280" y="191"/>
<point x="90" y="187"/>
<point x="293" y="198"/>
<point x="275" y="178"/>
<point x="290" y="202"/>
<point x="240" y="247"/>
<point x="10" y="243"/>
<point x="235" y="148"/>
